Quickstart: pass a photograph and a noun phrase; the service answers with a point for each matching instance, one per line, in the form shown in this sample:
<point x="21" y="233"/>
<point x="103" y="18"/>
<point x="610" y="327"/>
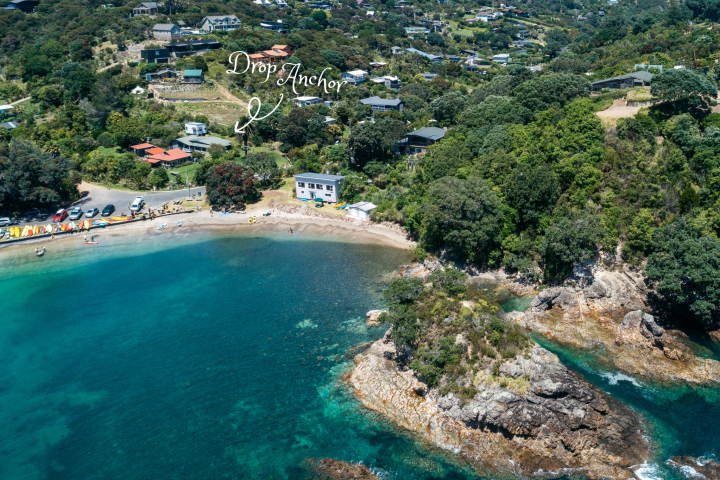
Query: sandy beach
<point x="278" y="223"/>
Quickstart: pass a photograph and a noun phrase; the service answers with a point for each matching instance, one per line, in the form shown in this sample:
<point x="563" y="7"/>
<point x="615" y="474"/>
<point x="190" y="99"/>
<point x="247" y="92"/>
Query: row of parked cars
<point x="77" y="212"/>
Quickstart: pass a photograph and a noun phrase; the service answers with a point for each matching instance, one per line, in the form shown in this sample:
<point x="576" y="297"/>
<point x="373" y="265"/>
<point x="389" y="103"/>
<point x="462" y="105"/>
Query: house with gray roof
<point x="27" y="6"/>
<point x="166" y="31"/>
<point x="146" y="8"/>
<point x="419" y="140"/>
<point x="224" y="23"/>
<point x="382" y="105"/>
<point x="200" y="144"/>
<point x="310" y="186"/>
<point x="429" y="56"/>
<point x="634" y="79"/>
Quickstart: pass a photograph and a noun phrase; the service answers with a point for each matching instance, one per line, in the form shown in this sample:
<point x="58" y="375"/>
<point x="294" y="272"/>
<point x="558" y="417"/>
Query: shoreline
<point x="278" y="222"/>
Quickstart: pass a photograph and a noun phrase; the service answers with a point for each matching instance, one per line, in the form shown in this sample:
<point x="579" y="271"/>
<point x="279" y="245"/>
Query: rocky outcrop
<point x="607" y="312"/>
<point x="373" y="316"/>
<point x="420" y="269"/>
<point x="559" y="423"/>
<point x="695" y="468"/>
<point x="331" y="469"/>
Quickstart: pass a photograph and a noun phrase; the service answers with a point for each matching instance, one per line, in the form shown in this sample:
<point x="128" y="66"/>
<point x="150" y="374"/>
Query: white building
<point x="502" y="58"/>
<point x="354" y="77"/>
<point x="305" y="101"/>
<point x="310" y="186"/>
<point x="224" y="23"/>
<point x="138" y="90"/>
<point x="195" y="128"/>
<point x="361" y="210"/>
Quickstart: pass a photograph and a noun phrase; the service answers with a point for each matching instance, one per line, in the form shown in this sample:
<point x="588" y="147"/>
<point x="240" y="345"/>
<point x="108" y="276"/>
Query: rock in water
<point x="331" y="469"/>
<point x="560" y="423"/>
<point x="696" y="468"/>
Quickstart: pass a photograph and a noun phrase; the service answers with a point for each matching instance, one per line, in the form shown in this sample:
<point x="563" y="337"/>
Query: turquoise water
<point x="192" y="357"/>
<point x="208" y="356"/>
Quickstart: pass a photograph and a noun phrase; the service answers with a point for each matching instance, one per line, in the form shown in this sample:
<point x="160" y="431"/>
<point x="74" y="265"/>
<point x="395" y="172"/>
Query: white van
<point x="137" y="204"/>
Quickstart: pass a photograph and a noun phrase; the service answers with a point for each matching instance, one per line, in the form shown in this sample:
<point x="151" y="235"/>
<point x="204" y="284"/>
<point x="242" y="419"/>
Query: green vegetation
<point x="451" y="333"/>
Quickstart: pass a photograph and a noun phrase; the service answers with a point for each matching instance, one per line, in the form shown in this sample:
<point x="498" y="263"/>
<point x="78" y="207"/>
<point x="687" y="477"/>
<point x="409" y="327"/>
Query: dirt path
<point x="618" y="112"/>
<point x="18" y="101"/>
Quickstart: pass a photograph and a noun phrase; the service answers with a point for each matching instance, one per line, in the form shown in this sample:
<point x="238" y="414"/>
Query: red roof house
<point x="169" y="158"/>
<point x="141" y="149"/>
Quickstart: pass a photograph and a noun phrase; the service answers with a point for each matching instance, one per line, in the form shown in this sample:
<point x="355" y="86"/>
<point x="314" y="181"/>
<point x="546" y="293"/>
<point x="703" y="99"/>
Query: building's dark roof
<point x="644" y="76"/>
<point x="9" y="125"/>
<point x="381" y="101"/>
<point x="192" y="43"/>
<point x="420" y="52"/>
<point x="194" y="140"/>
<point x="431" y="133"/>
<point x="318" y="176"/>
<point x="148" y="5"/>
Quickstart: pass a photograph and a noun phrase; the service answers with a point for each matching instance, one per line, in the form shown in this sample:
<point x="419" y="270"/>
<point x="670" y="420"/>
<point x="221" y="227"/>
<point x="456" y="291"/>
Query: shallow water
<point x="209" y="356"/>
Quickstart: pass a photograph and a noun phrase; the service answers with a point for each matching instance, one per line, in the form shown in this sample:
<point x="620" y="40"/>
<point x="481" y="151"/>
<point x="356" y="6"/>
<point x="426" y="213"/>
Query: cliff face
<point x="559" y="424"/>
<point x="605" y="311"/>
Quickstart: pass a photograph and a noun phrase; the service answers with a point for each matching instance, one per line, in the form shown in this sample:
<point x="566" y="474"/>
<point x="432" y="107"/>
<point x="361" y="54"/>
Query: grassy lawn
<point x="190" y="169"/>
<point x="223" y="113"/>
<point x="111" y="151"/>
<point x="279" y="158"/>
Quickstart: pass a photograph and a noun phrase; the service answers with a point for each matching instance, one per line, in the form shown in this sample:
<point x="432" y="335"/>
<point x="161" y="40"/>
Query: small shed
<point x="361" y="210"/>
<point x="192" y="76"/>
<point x="138" y="90"/>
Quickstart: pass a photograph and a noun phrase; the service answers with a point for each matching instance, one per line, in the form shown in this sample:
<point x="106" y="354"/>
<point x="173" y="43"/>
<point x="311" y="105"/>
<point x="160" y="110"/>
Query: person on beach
<point x="85" y="238"/>
<point x="211" y="211"/>
<point x="291" y="230"/>
<point x="52" y="236"/>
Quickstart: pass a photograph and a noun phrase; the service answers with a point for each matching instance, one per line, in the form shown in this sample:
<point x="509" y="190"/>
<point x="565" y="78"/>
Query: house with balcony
<point x="146" y="8"/>
<point x="354" y="77"/>
<point x="191" y="47"/>
<point x="502" y="58"/>
<point x="167" y="75"/>
<point x="419" y="140"/>
<point x="390" y="82"/>
<point x="25" y="6"/>
<point x="382" y="105"/>
<point x="224" y="23"/>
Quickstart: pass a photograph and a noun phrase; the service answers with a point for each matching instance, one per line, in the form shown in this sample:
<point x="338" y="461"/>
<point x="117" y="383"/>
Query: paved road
<point x="97" y="196"/>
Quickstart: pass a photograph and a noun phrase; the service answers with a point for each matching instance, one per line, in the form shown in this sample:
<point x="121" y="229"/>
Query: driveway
<point x="98" y="196"/>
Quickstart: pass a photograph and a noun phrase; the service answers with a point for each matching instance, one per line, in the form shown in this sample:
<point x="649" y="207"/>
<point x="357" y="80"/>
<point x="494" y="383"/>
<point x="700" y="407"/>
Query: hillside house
<point x="192" y="76"/>
<point x="198" y="143"/>
<point x="354" y="77"/>
<point x="141" y="149"/>
<point x="156" y="55"/>
<point x="167" y="75"/>
<point x="382" y="105"/>
<point x="634" y="79"/>
<point x="396" y="50"/>
<point x="429" y="56"/>
<point x="196" y="128"/>
<point x="419" y="140"/>
<point x="146" y="8"/>
<point x="166" y="31"/>
<point x="191" y="47"/>
<point x="502" y="58"/>
<point x="306" y="101"/>
<point x="390" y="82"/>
<point x="223" y="23"/>
<point x="429" y="76"/>
<point x="167" y="158"/>
<point x="310" y="186"/>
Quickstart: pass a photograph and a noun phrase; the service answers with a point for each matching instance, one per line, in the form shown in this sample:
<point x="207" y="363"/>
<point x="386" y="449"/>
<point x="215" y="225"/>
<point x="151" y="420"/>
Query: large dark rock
<point x="331" y="469"/>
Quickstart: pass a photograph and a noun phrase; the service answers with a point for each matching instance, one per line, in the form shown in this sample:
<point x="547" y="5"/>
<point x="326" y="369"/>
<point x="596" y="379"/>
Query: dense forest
<point x="527" y="175"/>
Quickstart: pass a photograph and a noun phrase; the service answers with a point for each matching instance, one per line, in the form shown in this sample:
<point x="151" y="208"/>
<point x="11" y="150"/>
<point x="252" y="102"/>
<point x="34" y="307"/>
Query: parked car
<point x="76" y="214"/>
<point x="5" y="222"/>
<point x="108" y="210"/>
<point x="92" y="212"/>
<point x="32" y="213"/>
<point x="137" y="204"/>
<point x="60" y="215"/>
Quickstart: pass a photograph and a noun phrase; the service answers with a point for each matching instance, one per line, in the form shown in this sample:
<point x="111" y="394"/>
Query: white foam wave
<point x="614" y="378"/>
<point x="648" y="472"/>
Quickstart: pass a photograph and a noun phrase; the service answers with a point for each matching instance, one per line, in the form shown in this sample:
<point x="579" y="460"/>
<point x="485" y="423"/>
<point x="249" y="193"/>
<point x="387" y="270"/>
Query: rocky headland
<point x="609" y="312"/>
<point x="548" y="422"/>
